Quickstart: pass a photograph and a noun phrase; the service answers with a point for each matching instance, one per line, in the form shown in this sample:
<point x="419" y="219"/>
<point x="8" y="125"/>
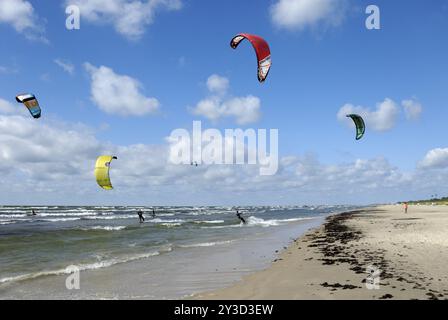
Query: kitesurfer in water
<point x="238" y="214"/>
<point x="140" y="216"/>
<point x="33" y="213"/>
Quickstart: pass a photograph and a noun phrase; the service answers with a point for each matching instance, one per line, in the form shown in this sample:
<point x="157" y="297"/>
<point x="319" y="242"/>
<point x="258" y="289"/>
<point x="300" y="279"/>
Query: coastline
<point x="330" y="262"/>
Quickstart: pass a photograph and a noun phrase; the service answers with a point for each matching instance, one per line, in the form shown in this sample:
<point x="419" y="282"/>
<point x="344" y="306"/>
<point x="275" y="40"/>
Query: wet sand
<point x="331" y="262"/>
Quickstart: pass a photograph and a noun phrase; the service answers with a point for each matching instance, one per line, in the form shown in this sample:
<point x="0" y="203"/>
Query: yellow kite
<point x="102" y="168"/>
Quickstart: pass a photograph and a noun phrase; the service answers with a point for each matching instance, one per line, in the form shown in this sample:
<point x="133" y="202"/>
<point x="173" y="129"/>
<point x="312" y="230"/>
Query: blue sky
<point x="323" y="58"/>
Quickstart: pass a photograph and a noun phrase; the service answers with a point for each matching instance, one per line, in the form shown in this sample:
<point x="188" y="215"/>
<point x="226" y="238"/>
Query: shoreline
<point x="331" y="262"/>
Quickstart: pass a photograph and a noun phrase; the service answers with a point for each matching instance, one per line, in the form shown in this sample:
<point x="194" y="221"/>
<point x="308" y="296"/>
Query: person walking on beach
<point x="405" y="207"/>
<point x="238" y="214"/>
<point x="140" y="216"/>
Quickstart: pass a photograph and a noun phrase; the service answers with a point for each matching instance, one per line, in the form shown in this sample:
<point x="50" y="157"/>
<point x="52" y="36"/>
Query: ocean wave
<point x="12" y="216"/>
<point x="157" y="220"/>
<point x="209" y="221"/>
<point x="206" y="244"/>
<point x="57" y="219"/>
<point x="105" y="228"/>
<point x="253" y="221"/>
<point x="2" y="223"/>
<point x="64" y="214"/>
<point x="170" y="225"/>
<point x="110" y="217"/>
<point x="84" y="267"/>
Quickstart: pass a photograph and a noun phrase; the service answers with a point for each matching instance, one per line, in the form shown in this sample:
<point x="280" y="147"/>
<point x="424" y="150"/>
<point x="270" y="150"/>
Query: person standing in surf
<point x="153" y="213"/>
<point x="140" y="216"/>
<point x="238" y="214"/>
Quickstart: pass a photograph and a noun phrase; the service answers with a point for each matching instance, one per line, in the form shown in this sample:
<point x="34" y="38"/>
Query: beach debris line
<point x="360" y="125"/>
<point x="30" y="101"/>
<point x="262" y="50"/>
<point x="102" y="169"/>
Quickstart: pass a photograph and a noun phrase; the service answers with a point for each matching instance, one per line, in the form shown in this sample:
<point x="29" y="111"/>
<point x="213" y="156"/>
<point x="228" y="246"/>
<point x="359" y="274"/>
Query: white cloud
<point x="129" y="17"/>
<point x="382" y="119"/>
<point x="6" y="107"/>
<point x="66" y="66"/>
<point x="36" y="155"/>
<point x="119" y="94"/>
<point x="217" y="84"/>
<point x="21" y="16"/>
<point x="45" y="151"/>
<point x="244" y="110"/>
<point x="436" y="158"/>
<point x="413" y="109"/>
<point x="299" y="14"/>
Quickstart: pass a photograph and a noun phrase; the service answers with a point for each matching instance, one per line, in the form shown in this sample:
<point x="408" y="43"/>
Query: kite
<point x="102" y="168"/>
<point x="261" y="49"/>
<point x="360" y="125"/>
<point x="30" y="101"/>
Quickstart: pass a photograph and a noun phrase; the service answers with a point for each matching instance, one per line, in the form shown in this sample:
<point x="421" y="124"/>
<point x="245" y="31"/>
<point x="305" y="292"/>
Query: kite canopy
<point x="30" y="101"/>
<point x="262" y="50"/>
<point x="102" y="168"/>
<point x="360" y="125"/>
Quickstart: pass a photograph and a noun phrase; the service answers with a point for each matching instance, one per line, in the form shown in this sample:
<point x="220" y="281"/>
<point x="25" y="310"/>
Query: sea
<point x="179" y="252"/>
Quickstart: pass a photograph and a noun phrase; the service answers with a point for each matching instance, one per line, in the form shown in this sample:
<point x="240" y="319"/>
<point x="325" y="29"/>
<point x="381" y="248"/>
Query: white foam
<point x="7" y="222"/>
<point x="210" y="221"/>
<point x="157" y="220"/>
<point x="253" y="221"/>
<point x="59" y="219"/>
<point x="175" y="224"/>
<point x="206" y="244"/>
<point x="85" y="267"/>
<point x="106" y="228"/>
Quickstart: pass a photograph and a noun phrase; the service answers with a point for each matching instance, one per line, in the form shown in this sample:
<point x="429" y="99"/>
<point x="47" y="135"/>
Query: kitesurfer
<point x="238" y="214"/>
<point x="140" y="216"/>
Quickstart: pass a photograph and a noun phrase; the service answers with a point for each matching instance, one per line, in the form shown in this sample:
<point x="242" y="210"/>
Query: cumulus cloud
<point x="381" y="119"/>
<point x="65" y="65"/>
<point x="55" y="160"/>
<point x="412" y="108"/>
<point x="21" y="16"/>
<point x="6" y="107"/>
<point x="299" y="14"/>
<point x="435" y="159"/>
<point x="217" y="106"/>
<point x="119" y="94"/>
<point x="129" y="17"/>
<point x="217" y="84"/>
<point x="45" y="152"/>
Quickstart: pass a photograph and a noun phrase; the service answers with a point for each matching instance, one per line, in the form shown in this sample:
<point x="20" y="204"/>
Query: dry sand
<point x="411" y="250"/>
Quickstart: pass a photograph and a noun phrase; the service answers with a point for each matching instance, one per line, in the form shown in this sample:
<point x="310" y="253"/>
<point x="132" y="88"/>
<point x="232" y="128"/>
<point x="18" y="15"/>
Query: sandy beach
<point x="331" y="262"/>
